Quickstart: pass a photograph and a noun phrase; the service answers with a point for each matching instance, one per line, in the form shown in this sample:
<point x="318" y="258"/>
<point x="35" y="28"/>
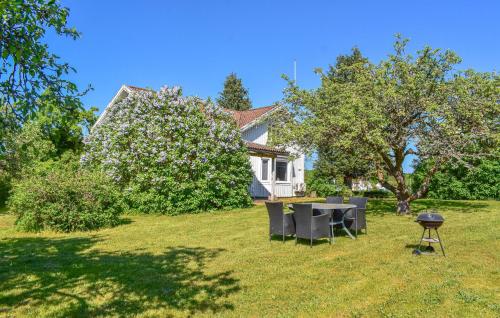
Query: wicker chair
<point x="279" y="222"/>
<point x="356" y="218"/>
<point x="311" y="227"/>
<point x="335" y="200"/>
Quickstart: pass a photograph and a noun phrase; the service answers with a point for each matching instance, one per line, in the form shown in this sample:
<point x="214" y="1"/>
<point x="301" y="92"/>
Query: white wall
<point x="257" y="134"/>
<point x="259" y="188"/>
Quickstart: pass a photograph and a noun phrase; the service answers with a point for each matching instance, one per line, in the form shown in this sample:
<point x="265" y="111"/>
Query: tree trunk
<point x="403" y="206"/>
<point x="348" y="182"/>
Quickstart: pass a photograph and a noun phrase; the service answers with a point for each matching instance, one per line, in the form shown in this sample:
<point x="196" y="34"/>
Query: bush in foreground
<point x="60" y="196"/>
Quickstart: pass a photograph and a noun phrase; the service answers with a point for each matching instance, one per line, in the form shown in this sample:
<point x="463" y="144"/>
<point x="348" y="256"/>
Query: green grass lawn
<point x="223" y="264"/>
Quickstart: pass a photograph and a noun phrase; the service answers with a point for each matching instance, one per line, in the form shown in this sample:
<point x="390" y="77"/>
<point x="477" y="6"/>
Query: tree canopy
<point x="348" y="161"/>
<point x="27" y="67"/>
<point x="402" y="106"/>
<point x="234" y="95"/>
<point x="475" y="179"/>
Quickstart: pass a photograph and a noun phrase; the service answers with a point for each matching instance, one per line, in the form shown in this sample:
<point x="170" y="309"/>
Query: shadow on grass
<point x="279" y="238"/>
<point x="380" y="207"/>
<point x="307" y="242"/>
<point x="414" y="246"/>
<point x="124" y="221"/>
<point x="455" y="206"/>
<point x="300" y="241"/>
<point x="67" y="273"/>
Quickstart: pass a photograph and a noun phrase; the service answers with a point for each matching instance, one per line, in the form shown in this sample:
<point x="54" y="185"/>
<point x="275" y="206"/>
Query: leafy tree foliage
<point x="25" y="148"/>
<point x="322" y="185"/>
<point x="171" y="154"/>
<point x="347" y="160"/>
<point x="341" y="71"/>
<point x="476" y="180"/>
<point x="234" y="95"/>
<point x="27" y="67"/>
<point x="47" y="134"/>
<point x="348" y="163"/>
<point x="404" y="105"/>
<point x="64" y="126"/>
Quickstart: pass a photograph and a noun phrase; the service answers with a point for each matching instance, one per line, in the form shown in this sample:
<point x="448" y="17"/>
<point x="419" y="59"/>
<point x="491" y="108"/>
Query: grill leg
<point x="420" y="243"/>
<point x="440" y="243"/>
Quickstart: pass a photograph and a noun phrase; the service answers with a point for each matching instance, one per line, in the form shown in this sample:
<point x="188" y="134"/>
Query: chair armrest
<point x="353" y="213"/>
<point x="288" y="215"/>
<point x="325" y="217"/>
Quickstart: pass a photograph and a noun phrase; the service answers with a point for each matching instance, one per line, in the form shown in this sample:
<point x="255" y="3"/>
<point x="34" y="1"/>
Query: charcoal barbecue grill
<point x="429" y="220"/>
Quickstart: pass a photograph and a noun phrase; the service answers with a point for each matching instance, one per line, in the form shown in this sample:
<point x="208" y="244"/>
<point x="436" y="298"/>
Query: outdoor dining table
<point x="330" y="207"/>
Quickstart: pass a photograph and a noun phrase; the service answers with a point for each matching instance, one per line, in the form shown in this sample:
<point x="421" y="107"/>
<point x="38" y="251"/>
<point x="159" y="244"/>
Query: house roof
<point x="263" y="149"/>
<point x="246" y="117"/>
<point x="135" y="88"/>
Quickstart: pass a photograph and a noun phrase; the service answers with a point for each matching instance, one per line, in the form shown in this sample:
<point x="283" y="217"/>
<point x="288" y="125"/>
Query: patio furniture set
<point x="314" y="221"/>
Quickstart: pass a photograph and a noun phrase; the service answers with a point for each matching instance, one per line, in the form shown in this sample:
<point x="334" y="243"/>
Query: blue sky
<point x="195" y="44"/>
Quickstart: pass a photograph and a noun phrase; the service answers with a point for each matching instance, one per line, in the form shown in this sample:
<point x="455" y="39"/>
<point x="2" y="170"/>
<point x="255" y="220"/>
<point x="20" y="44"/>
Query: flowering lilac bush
<point x="171" y="154"/>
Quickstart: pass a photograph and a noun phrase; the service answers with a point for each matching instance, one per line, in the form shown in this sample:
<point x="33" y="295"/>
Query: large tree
<point x="346" y="160"/>
<point x="234" y="95"/>
<point x="27" y="67"/>
<point x="402" y="106"/>
<point x="349" y="164"/>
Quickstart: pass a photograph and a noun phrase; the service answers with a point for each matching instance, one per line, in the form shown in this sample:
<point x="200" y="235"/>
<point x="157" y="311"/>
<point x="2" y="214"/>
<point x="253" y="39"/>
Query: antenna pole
<point x="295" y="71"/>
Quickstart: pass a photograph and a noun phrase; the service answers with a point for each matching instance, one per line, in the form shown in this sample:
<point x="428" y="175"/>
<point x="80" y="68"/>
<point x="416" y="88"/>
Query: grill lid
<point x="430" y="217"/>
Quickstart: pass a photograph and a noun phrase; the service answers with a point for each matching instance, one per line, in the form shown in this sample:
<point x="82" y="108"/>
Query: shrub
<point x="4" y="188"/>
<point x="59" y="196"/>
<point x="171" y="154"/>
<point x="20" y="149"/>
<point x="322" y="186"/>
<point x="457" y="182"/>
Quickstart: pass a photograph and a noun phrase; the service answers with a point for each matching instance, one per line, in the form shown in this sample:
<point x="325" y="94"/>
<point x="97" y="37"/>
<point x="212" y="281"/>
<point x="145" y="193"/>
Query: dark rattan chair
<point x="308" y="226"/>
<point x="356" y="218"/>
<point x="335" y="200"/>
<point x="279" y="222"/>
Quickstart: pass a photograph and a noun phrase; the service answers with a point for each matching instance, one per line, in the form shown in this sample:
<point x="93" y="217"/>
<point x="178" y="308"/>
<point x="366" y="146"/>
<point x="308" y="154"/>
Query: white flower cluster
<point x="150" y="137"/>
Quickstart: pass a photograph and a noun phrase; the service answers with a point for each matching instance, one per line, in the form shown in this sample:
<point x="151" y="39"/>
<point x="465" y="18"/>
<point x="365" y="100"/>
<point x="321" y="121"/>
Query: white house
<point x="274" y="174"/>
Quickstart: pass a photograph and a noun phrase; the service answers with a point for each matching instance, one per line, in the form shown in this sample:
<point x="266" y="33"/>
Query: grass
<point x="223" y="264"/>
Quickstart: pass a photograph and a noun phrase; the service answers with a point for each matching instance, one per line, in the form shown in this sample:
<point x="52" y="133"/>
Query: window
<point x="265" y="170"/>
<point x="281" y="171"/>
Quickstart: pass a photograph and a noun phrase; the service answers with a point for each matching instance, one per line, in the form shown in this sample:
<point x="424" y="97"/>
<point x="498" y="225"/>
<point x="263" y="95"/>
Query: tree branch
<point x="383" y="182"/>
<point x="411" y="152"/>
<point x="424" y="187"/>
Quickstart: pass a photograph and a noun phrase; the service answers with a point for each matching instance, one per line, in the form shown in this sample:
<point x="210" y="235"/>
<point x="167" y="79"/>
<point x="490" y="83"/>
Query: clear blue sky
<point x="195" y="44"/>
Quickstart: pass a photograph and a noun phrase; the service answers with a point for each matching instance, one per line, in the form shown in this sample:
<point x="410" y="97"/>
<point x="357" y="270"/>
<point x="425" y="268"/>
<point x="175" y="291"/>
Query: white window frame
<point x="268" y="170"/>
<point x="287" y="170"/>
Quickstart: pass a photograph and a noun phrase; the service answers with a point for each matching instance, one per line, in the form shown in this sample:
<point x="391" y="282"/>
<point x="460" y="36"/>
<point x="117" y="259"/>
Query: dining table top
<point x="330" y="206"/>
